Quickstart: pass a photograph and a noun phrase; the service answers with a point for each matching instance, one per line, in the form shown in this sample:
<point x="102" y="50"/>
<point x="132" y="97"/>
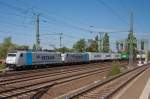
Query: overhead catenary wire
<point x="55" y="21"/>
<point x="13" y="14"/>
<point x="112" y="11"/>
<point x="21" y="10"/>
<point x="14" y="24"/>
<point x="65" y="24"/>
<point x="53" y="18"/>
<point x="14" y="33"/>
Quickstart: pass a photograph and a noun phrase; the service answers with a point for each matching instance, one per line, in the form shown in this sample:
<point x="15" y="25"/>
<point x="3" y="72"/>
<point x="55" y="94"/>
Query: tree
<point x="134" y="40"/>
<point x="106" y="43"/>
<point x="142" y="44"/>
<point x="21" y="47"/>
<point x="34" y="47"/>
<point x="117" y="46"/>
<point x="148" y="55"/>
<point x="80" y="45"/>
<point x="95" y="44"/>
<point x="93" y="47"/>
<point x="63" y="49"/>
<point x="6" y="46"/>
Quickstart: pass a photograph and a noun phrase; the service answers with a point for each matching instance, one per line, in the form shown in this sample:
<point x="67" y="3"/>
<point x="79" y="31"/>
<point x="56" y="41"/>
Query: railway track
<point x="104" y="89"/>
<point x="15" y="87"/>
<point x="43" y="73"/>
<point x="13" y="73"/>
<point x="16" y="73"/>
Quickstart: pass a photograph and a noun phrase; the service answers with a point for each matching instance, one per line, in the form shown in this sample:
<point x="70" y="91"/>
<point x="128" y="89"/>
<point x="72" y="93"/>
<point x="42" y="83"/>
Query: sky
<point x="74" y="18"/>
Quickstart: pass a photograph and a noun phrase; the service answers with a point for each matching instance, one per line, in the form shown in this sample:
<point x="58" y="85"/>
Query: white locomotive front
<point x="11" y="59"/>
<point x="28" y="59"/>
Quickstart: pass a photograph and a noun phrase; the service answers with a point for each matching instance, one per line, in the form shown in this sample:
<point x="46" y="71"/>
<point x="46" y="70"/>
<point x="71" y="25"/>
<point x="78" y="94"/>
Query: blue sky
<point x="73" y="18"/>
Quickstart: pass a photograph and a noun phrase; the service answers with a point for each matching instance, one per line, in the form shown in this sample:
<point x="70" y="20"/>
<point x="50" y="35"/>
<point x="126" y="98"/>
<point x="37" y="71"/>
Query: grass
<point x="115" y="69"/>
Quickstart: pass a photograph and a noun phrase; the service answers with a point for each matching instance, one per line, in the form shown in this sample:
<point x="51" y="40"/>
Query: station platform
<point x="139" y="88"/>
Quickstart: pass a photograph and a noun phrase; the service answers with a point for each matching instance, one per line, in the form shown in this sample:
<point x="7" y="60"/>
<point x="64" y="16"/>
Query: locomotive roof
<point x="32" y="52"/>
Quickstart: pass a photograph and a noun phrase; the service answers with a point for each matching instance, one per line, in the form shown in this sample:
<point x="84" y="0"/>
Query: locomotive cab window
<point x="11" y="55"/>
<point x="108" y="56"/>
<point x="21" y="55"/>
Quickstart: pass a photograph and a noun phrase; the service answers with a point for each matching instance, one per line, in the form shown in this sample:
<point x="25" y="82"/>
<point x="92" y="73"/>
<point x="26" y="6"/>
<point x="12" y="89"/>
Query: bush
<point x="2" y="66"/>
<point x="148" y="55"/>
<point x="115" y="69"/>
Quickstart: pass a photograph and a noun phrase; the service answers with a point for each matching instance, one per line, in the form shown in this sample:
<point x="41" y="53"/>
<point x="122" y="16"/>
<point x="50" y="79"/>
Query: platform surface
<point x="139" y="88"/>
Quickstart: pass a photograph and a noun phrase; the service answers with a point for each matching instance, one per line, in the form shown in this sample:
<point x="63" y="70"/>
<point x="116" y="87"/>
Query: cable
<point x="13" y="14"/>
<point x="112" y="10"/>
<point x="54" y="19"/>
<point x="14" y="7"/>
<point x="14" y="33"/>
<point x="123" y="4"/>
<point x="13" y="24"/>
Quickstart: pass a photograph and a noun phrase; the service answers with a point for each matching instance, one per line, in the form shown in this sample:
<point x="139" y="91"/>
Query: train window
<point x="21" y="55"/>
<point x="108" y="56"/>
<point x="97" y="55"/>
<point x="11" y="55"/>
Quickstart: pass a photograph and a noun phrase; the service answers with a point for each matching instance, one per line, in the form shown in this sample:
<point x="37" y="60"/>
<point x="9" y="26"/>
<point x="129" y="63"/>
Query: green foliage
<point x="127" y="45"/>
<point x="142" y="45"/>
<point x="93" y="47"/>
<point x="80" y="46"/>
<point x="5" y="47"/>
<point x="134" y="40"/>
<point x="148" y="55"/>
<point x="117" y="46"/>
<point x="115" y="69"/>
<point x="21" y="47"/>
<point x="34" y="47"/>
<point x="96" y="38"/>
<point x="8" y="46"/>
<point x="63" y="49"/>
<point x="95" y="44"/>
<point x="106" y="43"/>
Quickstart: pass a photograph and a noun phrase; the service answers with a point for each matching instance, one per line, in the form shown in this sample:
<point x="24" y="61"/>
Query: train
<point x="29" y="59"/>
